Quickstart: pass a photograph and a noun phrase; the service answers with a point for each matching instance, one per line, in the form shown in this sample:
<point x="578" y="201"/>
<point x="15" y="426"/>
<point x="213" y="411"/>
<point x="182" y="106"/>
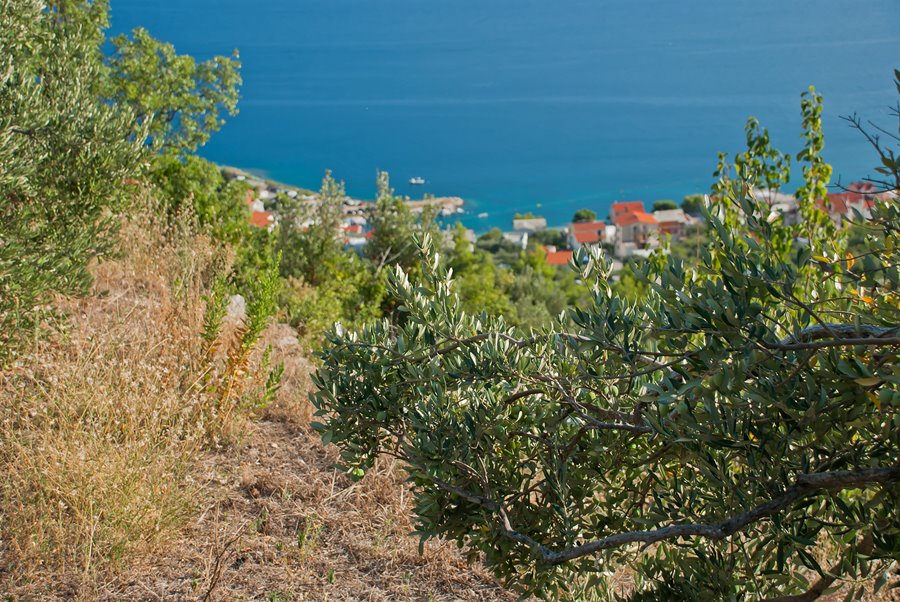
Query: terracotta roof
<point x="588" y="232"/>
<point x="261" y="219"/>
<point x="837" y="201"/>
<point x="635" y="218"/>
<point x="559" y="257"/>
<point x="627" y="207"/>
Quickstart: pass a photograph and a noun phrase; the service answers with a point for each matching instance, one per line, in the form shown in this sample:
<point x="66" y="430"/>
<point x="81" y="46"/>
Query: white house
<point x="518" y="238"/>
<point x="530" y="224"/>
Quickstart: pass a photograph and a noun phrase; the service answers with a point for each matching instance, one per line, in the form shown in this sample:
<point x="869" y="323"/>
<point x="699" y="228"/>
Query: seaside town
<point x="630" y="229"/>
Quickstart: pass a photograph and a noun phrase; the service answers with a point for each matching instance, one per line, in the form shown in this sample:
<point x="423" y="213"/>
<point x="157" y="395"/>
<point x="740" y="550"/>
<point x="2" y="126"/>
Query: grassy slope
<point x="122" y="480"/>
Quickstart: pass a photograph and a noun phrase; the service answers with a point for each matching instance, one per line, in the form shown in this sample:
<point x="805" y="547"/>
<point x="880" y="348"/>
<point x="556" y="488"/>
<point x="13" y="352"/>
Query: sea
<point x="530" y="105"/>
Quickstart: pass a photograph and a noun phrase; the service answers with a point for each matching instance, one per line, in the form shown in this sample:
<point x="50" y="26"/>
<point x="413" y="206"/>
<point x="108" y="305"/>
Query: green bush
<point x="723" y="436"/>
<point x="65" y="154"/>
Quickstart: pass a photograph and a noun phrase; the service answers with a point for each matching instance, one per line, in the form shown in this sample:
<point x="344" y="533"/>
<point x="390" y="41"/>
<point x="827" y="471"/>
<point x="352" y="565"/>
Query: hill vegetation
<point x="718" y="421"/>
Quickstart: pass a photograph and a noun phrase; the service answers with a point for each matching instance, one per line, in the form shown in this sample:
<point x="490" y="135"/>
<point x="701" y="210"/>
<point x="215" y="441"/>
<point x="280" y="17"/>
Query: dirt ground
<point x="280" y="524"/>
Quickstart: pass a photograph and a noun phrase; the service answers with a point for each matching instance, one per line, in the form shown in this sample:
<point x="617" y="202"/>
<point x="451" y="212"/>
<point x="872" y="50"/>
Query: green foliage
<point x="711" y="435"/>
<point x="326" y="283"/>
<point x="310" y="237"/>
<point x="525" y="290"/>
<point x="554" y="237"/>
<point x="64" y="154"/>
<point x="194" y="184"/>
<point x="351" y="293"/>
<point x="693" y="204"/>
<point x="526" y="215"/>
<point x="760" y="163"/>
<point x="479" y="282"/>
<point x="394" y="227"/>
<point x="816" y="172"/>
<point x="584" y="215"/>
<point x="664" y="205"/>
<point x="215" y="311"/>
<point x="261" y="304"/>
<point x="629" y="284"/>
<point x="181" y="102"/>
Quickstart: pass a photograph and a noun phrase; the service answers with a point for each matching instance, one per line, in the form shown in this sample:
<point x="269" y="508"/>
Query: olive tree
<point x="733" y="435"/>
<point x="64" y="153"/>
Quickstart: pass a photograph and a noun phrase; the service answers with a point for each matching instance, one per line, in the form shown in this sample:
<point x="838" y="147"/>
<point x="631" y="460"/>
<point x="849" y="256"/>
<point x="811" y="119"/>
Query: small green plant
<point x="308" y="535"/>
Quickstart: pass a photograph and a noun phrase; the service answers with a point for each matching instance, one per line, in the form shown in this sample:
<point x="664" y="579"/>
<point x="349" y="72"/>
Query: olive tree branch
<point x="805" y="485"/>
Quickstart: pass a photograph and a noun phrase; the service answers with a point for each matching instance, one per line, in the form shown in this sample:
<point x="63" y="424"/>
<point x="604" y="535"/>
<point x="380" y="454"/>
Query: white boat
<point x="482" y="215"/>
<point x="417" y="181"/>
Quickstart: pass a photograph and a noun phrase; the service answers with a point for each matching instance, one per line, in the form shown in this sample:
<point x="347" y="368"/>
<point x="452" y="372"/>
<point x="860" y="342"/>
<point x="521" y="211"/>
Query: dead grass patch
<point x="124" y="477"/>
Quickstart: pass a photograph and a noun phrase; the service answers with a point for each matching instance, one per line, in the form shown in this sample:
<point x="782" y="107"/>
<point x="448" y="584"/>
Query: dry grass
<point x="127" y="476"/>
<point x="99" y="428"/>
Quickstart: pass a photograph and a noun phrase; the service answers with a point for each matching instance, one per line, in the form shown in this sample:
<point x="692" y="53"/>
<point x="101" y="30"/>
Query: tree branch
<point x="806" y="485"/>
<point x="838" y="335"/>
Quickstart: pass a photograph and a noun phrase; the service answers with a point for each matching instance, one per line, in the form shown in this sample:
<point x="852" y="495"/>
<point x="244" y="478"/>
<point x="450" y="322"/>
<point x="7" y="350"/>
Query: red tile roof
<point x="588" y="232"/>
<point x="837" y="202"/>
<point x="261" y="219"/>
<point x="627" y="207"/>
<point x="559" y="257"/>
<point x="861" y="194"/>
<point x="635" y="218"/>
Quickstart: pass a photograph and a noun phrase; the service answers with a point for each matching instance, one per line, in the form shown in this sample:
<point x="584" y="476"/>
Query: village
<point x="629" y="231"/>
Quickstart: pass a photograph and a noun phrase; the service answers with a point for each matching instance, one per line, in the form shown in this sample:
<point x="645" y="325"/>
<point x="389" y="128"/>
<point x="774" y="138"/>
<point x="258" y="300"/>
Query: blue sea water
<point x="520" y="105"/>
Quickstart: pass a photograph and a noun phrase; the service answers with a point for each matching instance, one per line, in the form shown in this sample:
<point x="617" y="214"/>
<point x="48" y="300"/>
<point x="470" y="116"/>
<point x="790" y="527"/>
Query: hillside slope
<point x="116" y="487"/>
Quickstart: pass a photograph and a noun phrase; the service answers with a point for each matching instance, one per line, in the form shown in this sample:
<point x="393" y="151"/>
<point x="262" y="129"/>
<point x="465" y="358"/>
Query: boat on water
<point x="417" y="181"/>
<point x="482" y="215"/>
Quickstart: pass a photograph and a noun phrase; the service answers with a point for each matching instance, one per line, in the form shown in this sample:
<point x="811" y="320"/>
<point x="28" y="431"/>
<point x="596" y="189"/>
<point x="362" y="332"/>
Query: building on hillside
<point x="529" y="224"/>
<point x="854" y="203"/>
<point x="672" y="222"/>
<point x="253" y="203"/>
<point x="519" y="238"/>
<point x="355" y="237"/>
<point x="591" y="234"/>
<point x="555" y="257"/>
<point x="610" y="234"/>
<point x="449" y="237"/>
<point x="262" y="219"/>
<point x="637" y="232"/>
<point x="623" y="207"/>
<point x="780" y="203"/>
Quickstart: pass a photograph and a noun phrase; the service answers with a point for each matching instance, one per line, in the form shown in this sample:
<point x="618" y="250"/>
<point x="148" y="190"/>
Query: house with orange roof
<point x="262" y="219"/>
<point x="555" y="257"/>
<point x="623" y="207"/>
<point x="637" y="232"/>
<point x="858" y="198"/>
<point x="592" y="234"/>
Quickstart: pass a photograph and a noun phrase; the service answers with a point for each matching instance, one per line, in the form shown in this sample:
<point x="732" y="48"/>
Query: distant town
<point x="630" y="230"/>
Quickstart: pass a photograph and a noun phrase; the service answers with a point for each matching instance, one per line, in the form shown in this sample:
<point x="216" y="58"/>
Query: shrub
<point x="724" y="436"/>
<point x="65" y="153"/>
